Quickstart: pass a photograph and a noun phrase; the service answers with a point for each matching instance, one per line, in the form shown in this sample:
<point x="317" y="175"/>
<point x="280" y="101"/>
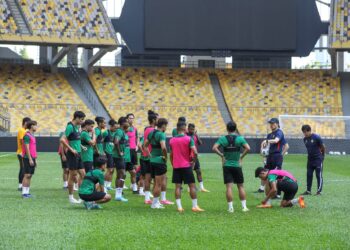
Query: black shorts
<point x="74" y="162"/>
<point x="145" y="167"/>
<point x="27" y="168"/>
<point x="158" y="169"/>
<point x="129" y="166"/>
<point x="119" y="163"/>
<point x="183" y="175"/>
<point x="95" y="196"/>
<point x="274" y="161"/>
<point x="64" y="163"/>
<point x="133" y="155"/>
<point x="197" y="165"/>
<point x="110" y="161"/>
<point x="288" y="188"/>
<point x="96" y="155"/>
<point x="20" y="160"/>
<point x="233" y="175"/>
<point x="88" y="165"/>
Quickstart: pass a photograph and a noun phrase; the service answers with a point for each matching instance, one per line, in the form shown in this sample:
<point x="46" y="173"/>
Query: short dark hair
<point x="79" y="114"/>
<point x="112" y="122"/>
<point x="100" y="161"/>
<point x="191" y="125"/>
<point x="259" y="170"/>
<point x="99" y="119"/>
<point x="130" y="114"/>
<point x="231" y="126"/>
<point x="31" y="123"/>
<point x="161" y="122"/>
<point x="306" y="128"/>
<point x="89" y="122"/>
<point x="181" y="119"/>
<point x="25" y="120"/>
<point x="181" y="125"/>
<point x="151" y="116"/>
<point x="122" y="120"/>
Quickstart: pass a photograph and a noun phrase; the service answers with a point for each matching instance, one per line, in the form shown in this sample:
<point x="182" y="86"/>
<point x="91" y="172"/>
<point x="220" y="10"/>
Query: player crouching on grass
<point x="29" y="156"/>
<point x="279" y="180"/>
<point x="232" y="163"/>
<point x="91" y="190"/>
<point x="182" y="146"/>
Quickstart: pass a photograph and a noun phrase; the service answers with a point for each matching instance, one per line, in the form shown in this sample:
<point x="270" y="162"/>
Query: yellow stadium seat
<point x="45" y="97"/>
<point x="170" y="92"/>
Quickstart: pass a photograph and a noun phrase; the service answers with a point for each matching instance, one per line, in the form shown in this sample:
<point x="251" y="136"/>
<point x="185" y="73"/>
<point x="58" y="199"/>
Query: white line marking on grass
<point x="5" y="155"/>
<point x="337" y="180"/>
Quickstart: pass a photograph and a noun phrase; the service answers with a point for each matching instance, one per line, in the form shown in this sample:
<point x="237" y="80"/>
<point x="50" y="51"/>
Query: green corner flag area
<point x="49" y="221"/>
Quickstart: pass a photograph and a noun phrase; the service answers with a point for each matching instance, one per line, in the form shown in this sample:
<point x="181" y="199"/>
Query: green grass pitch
<point x="48" y="221"/>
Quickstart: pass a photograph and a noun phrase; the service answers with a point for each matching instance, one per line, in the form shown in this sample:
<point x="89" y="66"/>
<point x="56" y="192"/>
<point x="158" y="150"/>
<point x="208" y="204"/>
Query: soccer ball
<point x="265" y="151"/>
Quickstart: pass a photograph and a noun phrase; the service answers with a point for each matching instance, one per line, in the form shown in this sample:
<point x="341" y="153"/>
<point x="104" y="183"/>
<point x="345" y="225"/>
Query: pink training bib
<point x="180" y="148"/>
<point x="148" y="130"/>
<point x="283" y="173"/>
<point x="132" y="137"/>
<point x="32" y="146"/>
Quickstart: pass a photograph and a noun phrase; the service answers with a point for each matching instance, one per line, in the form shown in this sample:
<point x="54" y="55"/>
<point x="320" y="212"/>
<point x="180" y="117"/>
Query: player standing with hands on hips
<point x="232" y="158"/>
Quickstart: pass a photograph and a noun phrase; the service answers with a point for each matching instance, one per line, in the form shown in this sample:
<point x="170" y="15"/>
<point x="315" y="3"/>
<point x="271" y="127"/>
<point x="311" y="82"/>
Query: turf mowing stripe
<point x="5" y="155"/>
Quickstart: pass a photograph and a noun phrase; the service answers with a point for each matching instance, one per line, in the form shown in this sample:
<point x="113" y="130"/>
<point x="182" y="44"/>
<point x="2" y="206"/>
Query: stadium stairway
<point x="81" y="84"/>
<point x="345" y="92"/>
<point x="18" y="16"/>
<point x="219" y="96"/>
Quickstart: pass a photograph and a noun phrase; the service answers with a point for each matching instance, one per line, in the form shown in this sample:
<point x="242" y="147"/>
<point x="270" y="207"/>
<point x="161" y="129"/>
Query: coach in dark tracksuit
<point x="277" y="148"/>
<point x="276" y="141"/>
<point x="316" y="151"/>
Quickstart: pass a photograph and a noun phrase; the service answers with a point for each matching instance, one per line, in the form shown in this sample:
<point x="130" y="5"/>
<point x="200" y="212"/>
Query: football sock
<point x="178" y="203"/>
<point x="147" y="195"/>
<point x="163" y="195"/>
<point x="244" y="203"/>
<point x="194" y="203"/>
<point x="230" y="205"/>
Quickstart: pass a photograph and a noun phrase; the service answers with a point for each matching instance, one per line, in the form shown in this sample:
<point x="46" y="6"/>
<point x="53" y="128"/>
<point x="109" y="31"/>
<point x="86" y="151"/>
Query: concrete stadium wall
<point x="50" y="144"/>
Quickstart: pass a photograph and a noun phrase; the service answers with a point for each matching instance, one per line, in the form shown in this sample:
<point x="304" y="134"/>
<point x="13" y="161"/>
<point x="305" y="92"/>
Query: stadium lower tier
<point x="252" y="97"/>
<point x="168" y="91"/>
<point x="51" y="118"/>
<point x="45" y="97"/>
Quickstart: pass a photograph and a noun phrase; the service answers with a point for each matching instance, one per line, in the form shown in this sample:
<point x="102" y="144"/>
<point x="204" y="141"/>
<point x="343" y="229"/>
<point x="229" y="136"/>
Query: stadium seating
<point x="7" y="22"/>
<point x="170" y="92"/>
<point x="45" y="97"/>
<point x="66" y="22"/>
<point x="254" y="96"/>
<point x="340" y="29"/>
<point x="80" y="22"/>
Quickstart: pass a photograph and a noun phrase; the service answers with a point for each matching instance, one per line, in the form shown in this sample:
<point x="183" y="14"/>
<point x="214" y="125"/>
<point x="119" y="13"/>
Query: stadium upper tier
<point x="340" y="29"/>
<point x="48" y="98"/>
<point x="170" y="92"/>
<point x="7" y="22"/>
<point x="254" y="96"/>
<point x="80" y="22"/>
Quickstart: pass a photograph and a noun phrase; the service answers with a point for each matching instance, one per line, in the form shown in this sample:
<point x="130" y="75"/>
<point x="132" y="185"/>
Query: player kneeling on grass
<point x="279" y="180"/>
<point x="232" y="163"/>
<point x="91" y="190"/>
<point x="181" y="147"/>
<point x="29" y="155"/>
